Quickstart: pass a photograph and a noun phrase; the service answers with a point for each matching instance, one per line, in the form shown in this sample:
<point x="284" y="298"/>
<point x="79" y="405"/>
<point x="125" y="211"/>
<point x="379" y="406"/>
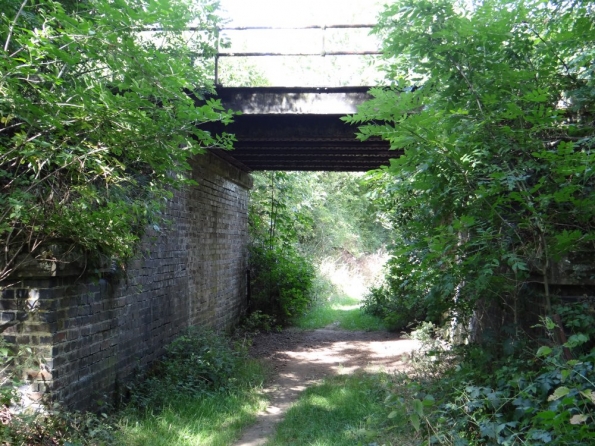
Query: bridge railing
<point x="323" y="43"/>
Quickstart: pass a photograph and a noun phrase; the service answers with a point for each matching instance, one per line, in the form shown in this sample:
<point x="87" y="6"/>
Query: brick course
<point x="94" y="334"/>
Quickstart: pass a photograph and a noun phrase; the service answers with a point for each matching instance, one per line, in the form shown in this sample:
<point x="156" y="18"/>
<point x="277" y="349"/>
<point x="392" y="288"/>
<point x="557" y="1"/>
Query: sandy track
<point x="302" y="358"/>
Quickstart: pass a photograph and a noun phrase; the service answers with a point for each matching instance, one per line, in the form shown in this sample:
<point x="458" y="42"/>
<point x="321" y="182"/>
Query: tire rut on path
<point x="303" y="358"/>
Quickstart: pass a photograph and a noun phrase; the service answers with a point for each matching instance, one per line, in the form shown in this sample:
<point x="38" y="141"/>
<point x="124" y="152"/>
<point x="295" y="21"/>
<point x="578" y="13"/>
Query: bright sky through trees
<point x="301" y="71"/>
<point x="300" y="13"/>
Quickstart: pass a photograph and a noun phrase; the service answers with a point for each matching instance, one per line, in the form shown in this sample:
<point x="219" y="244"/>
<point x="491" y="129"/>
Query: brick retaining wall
<point x="94" y="334"/>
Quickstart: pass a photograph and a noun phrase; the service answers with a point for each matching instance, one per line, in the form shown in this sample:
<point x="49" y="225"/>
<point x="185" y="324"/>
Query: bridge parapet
<point x="293" y="100"/>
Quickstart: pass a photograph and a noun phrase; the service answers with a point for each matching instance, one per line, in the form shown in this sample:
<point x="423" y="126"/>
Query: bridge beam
<point x="298" y="129"/>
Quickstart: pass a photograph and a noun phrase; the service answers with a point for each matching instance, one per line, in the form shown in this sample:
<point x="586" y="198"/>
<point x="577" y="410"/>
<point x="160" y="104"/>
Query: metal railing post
<point x="217" y="55"/>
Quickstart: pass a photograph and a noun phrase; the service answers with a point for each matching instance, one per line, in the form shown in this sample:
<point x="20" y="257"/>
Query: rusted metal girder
<point x="271" y="135"/>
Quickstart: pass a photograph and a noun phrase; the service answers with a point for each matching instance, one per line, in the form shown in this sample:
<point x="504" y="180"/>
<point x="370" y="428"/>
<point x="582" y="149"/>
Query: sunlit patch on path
<point x="302" y="359"/>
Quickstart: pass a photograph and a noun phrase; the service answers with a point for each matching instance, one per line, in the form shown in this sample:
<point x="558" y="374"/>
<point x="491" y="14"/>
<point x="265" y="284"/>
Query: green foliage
<point x="296" y="219"/>
<point x="97" y="121"/>
<point x="12" y="363"/>
<point x="398" y="310"/>
<point x="202" y="392"/>
<point x="258" y="322"/>
<point x="326" y="213"/>
<point x="197" y="363"/>
<point x="281" y="283"/>
<point x="281" y="277"/>
<point x="344" y="220"/>
<point x="493" y="109"/>
<point x="483" y="397"/>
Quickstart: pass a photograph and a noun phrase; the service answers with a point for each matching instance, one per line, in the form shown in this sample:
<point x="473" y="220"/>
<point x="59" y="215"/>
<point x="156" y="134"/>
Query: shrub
<point x="95" y="119"/>
<point x="397" y="310"/>
<point x="196" y="363"/>
<point x="282" y="282"/>
<point x="485" y="396"/>
<point x="257" y="322"/>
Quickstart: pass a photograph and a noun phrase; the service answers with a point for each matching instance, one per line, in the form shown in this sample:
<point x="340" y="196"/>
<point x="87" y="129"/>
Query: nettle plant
<point x="97" y="121"/>
<point x="493" y="105"/>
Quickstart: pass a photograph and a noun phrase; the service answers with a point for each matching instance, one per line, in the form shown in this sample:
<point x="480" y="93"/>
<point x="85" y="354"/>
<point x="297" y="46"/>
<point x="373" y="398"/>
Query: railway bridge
<point x="92" y="330"/>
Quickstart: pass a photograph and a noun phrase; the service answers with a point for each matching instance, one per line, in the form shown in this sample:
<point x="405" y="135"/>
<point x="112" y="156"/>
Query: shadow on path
<point x="302" y="358"/>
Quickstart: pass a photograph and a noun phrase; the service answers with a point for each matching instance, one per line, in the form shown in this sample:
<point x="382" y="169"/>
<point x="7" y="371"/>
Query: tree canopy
<point x="494" y="107"/>
<point x="98" y="119"/>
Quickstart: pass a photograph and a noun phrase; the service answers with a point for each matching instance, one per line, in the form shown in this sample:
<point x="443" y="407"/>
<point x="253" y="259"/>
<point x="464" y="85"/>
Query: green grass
<point x="343" y="410"/>
<point x="342" y="310"/>
<point x="214" y="419"/>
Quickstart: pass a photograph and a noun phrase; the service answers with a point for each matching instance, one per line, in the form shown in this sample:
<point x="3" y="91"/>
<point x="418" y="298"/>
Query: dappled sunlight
<point x="345" y="282"/>
<point x="345" y="357"/>
<point x="332" y="412"/>
<point x="317" y="355"/>
<point x="192" y="422"/>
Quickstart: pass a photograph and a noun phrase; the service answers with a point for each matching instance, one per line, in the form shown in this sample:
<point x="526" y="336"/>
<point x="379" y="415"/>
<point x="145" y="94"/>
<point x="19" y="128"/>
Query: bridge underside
<point x="292" y="129"/>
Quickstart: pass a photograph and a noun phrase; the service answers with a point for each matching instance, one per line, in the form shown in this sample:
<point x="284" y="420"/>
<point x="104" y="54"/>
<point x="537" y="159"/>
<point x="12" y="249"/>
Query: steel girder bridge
<point x="297" y="128"/>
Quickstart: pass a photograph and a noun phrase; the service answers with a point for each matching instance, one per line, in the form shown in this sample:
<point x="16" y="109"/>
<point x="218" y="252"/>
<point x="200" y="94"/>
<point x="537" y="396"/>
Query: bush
<point x="88" y="147"/>
<point x="484" y="395"/>
<point x="282" y="282"/>
<point x="198" y="362"/>
<point x="396" y="310"/>
<point x="257" y="322"/>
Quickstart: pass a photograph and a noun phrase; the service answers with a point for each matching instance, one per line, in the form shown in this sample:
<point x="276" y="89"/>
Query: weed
<point x="200" y="362"/>
<point x="257" y="322"/>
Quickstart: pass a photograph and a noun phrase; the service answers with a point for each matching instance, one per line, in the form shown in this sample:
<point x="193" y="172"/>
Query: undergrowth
<point x="202" y="392"/>
<point x="478" y="394"/>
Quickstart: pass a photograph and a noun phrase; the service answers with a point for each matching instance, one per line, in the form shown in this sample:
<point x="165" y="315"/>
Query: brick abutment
<point x="91" y="333"/>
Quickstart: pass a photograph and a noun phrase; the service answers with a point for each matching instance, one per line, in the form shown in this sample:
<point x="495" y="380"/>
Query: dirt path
<point x="302" y="358"/>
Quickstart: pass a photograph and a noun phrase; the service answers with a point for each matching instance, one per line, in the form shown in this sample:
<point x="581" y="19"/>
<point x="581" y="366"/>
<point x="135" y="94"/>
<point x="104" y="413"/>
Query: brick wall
<point x="93" y="334"/>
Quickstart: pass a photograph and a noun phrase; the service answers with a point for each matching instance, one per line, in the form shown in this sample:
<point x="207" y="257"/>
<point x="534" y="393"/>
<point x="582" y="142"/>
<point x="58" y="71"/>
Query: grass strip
<point x="343" y="311"/>
<point x="343" y="410"/>
<point x="211" y="419"/>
